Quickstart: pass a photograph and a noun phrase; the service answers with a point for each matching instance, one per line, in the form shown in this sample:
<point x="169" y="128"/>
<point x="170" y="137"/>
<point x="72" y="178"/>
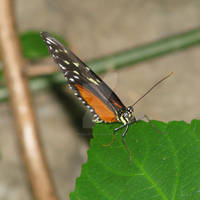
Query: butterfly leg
<point x="125" y="144"/>
<point x="123" y="139"/>
<point x="114" y="136"/>
<point x="149" y="121"/>
<point x="143" y="117"/>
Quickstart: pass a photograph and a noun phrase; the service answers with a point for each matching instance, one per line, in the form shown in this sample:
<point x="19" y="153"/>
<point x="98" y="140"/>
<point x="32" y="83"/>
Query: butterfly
<point x="91" y="90"/>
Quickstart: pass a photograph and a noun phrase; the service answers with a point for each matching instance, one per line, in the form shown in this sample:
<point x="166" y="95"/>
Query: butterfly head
<point x="126" y="115"/>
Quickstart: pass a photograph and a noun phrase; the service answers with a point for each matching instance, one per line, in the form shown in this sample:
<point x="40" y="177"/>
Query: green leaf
<point x="164" y="167"/>
<point x="33" y="46"/>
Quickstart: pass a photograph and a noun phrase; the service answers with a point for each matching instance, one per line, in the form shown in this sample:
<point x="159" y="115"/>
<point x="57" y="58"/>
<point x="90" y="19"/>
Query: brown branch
<point x="40" y="69"/>
<point x="22" y="107"/>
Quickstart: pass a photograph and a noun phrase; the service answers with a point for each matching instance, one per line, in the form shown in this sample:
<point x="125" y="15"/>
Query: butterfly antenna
<point x="153" y="87"/>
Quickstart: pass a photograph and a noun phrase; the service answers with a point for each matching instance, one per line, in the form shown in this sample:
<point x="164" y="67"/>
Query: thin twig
<point x="40" y="70"/>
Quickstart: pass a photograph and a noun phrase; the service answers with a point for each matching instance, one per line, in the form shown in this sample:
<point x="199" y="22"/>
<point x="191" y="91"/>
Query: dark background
<point x="94" y="29"/>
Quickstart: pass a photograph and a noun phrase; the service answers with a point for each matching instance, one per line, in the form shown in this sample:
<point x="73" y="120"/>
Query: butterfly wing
<point x="102" y="102"/>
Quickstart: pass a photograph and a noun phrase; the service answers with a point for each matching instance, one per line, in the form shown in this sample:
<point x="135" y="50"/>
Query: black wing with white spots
<point x="78" y="73"/>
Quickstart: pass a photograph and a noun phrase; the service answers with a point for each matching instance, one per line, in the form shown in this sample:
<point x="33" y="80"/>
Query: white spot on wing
<point x="92" y="80"/>
<point x="76" y="72"/>
<point x="49" y="41"/>
<point x="66" y="62"/>
<point x="71" y="79"/>
<point x="76" y="64"/>
<point x="97" y="120"/>
<point x="76" y="77"/>
<point x="98" y="80"/>
<point x="62" y="67"/>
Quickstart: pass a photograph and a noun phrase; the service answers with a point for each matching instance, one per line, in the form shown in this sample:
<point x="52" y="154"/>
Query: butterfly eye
<point x="130" y="109"/>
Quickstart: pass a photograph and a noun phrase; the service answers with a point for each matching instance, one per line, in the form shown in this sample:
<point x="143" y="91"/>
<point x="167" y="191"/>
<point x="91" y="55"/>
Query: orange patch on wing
<point x="118" y="105"/>
<point x="99" y="106"/>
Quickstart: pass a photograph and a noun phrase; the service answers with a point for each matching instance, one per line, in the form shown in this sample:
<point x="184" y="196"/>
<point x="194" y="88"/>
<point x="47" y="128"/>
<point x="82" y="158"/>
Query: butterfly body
<point x="126" y="115"/>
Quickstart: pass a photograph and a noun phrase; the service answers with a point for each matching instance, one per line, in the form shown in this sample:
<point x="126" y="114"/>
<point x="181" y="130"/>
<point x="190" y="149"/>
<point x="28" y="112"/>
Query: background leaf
<point x="165" y="166"/>
<point x="33" y="46"/>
